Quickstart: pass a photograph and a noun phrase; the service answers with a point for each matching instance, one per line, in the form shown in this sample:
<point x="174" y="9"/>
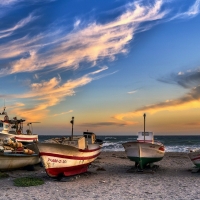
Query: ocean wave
<point x="110" y="138"/>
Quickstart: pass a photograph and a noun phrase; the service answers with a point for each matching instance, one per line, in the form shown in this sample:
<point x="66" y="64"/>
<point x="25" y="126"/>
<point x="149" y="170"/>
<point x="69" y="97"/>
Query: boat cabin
<point x="80" y="142"/>
<point x="145" y="137"/>
<point x="90" y="137"/>
<point x="77" y="141"/>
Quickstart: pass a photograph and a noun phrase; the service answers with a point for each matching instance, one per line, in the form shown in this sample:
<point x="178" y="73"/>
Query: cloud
<point x="35" y="76"/>
<point x="8" y="2"/>
<point x="63" y="113"/>
<point x="91" y="43"/>
<point x="8" y="32"/>
<point x="132" y="92"/>
<point x="191" y="12"/>
<point x="49" y="93"/>
<point x="21" y="23"/>
<point x="189" y="80"/>
<point x="103" y="124"/>
<point x="87" y="43"/>
<point x="194" y="10"/>
<point x="12" y="2"/>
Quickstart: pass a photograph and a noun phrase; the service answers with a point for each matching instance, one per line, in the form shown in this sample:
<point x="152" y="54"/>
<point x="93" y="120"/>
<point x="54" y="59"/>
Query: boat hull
<point x="20" y="138"/>
<point x="65" y="160"/>
<point x="195" y="157"/>
<point x="14" y="161"/>
<point x="143" y="153"/>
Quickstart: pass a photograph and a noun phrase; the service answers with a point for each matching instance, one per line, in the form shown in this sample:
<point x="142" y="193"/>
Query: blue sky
<point x="105" y="63"/>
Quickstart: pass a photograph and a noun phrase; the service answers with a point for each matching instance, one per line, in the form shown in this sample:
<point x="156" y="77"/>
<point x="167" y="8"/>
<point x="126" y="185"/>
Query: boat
<point x="15" y="155"/>
<point x="69" y="156"/>
<point x="194" y="156"/>
<point x="14" y="128"/>
<point x="144" y="151"/>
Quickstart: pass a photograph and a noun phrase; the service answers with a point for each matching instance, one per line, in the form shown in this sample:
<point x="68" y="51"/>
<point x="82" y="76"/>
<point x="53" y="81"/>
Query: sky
<point x="105" y="63"/>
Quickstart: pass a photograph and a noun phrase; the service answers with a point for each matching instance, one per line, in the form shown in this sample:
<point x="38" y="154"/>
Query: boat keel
<point x="66" y="171"/>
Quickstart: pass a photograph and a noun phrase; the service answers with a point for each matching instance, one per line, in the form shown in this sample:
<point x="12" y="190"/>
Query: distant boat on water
<point x="144" y="150"/>
<point x="69" y="156"/>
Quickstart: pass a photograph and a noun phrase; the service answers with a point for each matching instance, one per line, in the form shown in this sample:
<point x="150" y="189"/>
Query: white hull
<point x="195" y="157"/>
<point x="143" y="152"/>
<point x="141" y="149"/>
<point x="20" y="138"/>
<point x="66" y="160"/>
<point x="14" y="161"/>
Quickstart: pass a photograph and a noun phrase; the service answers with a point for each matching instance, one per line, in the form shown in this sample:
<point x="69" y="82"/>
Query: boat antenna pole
<point x="144" y="125"/>
<point x="72" y="122"/>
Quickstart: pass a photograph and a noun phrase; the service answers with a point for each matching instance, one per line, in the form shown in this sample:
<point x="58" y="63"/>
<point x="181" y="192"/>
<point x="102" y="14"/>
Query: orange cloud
<point x="49" y="93"/>
<point x="171" y="106"/>
<point x="91" y="43"/>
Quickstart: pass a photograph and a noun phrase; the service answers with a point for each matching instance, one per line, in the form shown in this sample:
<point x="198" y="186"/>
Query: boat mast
<point x="72" y="122"/>
<point x="144" y="125"/>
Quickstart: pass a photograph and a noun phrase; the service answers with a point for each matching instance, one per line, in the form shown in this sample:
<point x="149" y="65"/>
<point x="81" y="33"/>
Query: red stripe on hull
<point x="197" y="158"/>
<point x="19" y="138"/>
<point x="67" y="171"/>
<point x="69" y="157"/>
<point x="89" y="150"/>
<point x="145" y="141"/>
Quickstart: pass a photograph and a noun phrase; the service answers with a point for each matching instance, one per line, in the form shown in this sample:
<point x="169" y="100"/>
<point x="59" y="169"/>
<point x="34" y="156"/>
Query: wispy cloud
<point x="63" y="113"/>
<point x="100" y="124"/>
<point x="20" y="24"/>
<point x="8" y="2"/>
<point x="49" y="93"/>
<point x="191" y="12"/>
<point x="90" y="44"/>
<point x="12" y="2"/>
<point x="132" y="92"/>
<point x="188" y="80"/>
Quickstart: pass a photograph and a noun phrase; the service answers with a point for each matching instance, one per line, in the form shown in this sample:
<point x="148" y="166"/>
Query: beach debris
<point x="93" y="166"/>
<point x="195" y="170"/>
<point x="100" y="169"/>
<point x="102" y="181"/>
<point x="62" y="178"/>
<point x="96" y="161"/>
<point x="123" y="157"/>
<point x="151" y="169"/>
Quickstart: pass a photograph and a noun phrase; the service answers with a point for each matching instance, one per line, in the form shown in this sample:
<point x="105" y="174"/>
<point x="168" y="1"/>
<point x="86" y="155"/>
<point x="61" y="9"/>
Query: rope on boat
<point x="13" y="146"/>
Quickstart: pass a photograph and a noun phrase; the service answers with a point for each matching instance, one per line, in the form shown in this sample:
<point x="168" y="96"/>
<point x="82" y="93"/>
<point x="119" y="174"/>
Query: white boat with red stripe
<point x="14" y="129"/>
<point x="69" y="155"/>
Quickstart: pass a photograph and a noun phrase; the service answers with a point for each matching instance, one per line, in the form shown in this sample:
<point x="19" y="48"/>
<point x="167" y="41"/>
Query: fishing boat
<point x="194" y="156"/>
<point x="15" y="155"/>
<point x="69" y="156"/>
<point x="144" y="151"/>
<point x="14" y="128"/>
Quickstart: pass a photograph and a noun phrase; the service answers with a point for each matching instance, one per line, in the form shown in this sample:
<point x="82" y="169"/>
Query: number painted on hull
<point x="54" y="160"/>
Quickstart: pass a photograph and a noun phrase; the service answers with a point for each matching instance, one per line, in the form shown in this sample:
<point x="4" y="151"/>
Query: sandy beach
<point x="110" y="177"/>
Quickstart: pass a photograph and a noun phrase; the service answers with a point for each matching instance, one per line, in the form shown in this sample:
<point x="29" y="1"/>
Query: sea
<point x="171" y="143"/>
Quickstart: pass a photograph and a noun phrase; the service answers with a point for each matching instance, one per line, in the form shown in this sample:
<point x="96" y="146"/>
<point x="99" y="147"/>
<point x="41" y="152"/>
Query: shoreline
<point x="108" y="178"/>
